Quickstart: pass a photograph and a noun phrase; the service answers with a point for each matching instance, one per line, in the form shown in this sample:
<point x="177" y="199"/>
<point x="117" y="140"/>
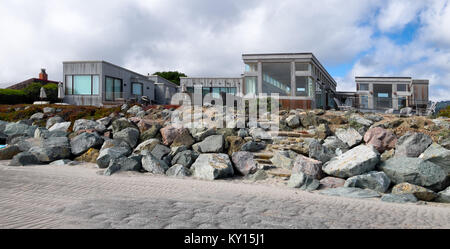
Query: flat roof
<point x="109" y="63"/>
<point x="383" y="77"/>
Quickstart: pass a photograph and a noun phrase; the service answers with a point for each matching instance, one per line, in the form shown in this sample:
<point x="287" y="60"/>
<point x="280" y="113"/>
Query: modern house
<point x="100" y="83"/>
<point x="299" y="78"/>
<point x="384" y="93"/>
<point x="164" y="89"/>
<point x="42" y="79"/>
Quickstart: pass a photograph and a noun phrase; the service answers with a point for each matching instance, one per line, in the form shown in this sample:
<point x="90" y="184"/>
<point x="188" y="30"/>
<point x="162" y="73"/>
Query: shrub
<point x="11" y="97"/>
<point x="445" y="112"/>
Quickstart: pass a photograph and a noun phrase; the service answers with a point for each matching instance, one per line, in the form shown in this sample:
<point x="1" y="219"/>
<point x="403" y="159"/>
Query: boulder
<point x="9" y="152"/>
<point x="360" y="120"/>
<point x="259" y="175"/>
<point x="259" y="133"/>
<point x="415" y="171"/>
<point x="122" y="164"/>
<point x="437" y="155"/>
<point x="24" y="159"/>
<point x="406" y="111"/>
<point x="212" y="166"/>
<point x="106" y="155"/>
<point x="234" y="144"/>
<point x="323" y="131"/>
<point x="349" y="136"/>
<point x="147" y="145"/>
<point x="153" y="165"/>
<point x="243" y="133"/>
<point x="37" y="116"/>
<point x="135" y="110"/>
<point x="335" y="145"/>
<point x="412" y="144"/>
<point x="183" y="139"/>
<point x="106" y="121"/>
<point x="393" y="124"/>
<point x="89" y="156"/>
<point x="309" y="119"/>
<point x="83" y="142"/>
<point x="308" y="166"/>
<point x="41" y="133"/>
<point x="350" y="192"/>
<point x="332" y="182"/>
<point x="284" y="159"/>
<point x="178" y="170"/>
<point x="185" y="158"/>
<point x="52" y="149"/>
<point x="399" y="198"/>
<point x="304" y="182"/>
<point x="169" y="133"/>
<point x="49" y="110"/>
<point x="211" y="144"/>
<point x="199" y="134"/>
<point x="2" y="125"/>
<point x="293" y="121"/>
<point x="374" y="180"/>
<point x="17" y="129"/>
<point x="53" y="120"/>
<point x="320" y="152"/>
<point x="152" y="132"/>
<point x="25" y="143"/>
<point x="444" y="196"/>
<point x="122" y="124"/>
<point x="387" y="155"/>
<point x="244" y="162"/>
<point x="84" y="124"/>
<point x="381" y="139"/>
<point x="160" y="151"/>
<point x="129" y="135"/>
<point x="63" y="126"/>
<point x="253" y="146"/>
<point x="373" y="117"/>
<point x="357" y="161"/>
<point x="420" y="192"/>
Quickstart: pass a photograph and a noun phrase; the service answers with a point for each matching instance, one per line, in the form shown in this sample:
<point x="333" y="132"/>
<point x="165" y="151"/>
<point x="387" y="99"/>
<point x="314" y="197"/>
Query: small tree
<point x="173" y="76"/>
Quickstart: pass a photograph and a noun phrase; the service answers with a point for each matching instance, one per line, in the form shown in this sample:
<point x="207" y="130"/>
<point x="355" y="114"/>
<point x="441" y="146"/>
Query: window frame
<point x="72" y="77"/>
<point x="142" y="88"/>
<point x="114" y="81"/>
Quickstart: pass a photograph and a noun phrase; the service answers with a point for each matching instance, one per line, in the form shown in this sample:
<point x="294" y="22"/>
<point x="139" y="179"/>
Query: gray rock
<point x="211" y="144"/>
<point x="412" y="144"/>
<point x="108" y="154"/>
<point x="64" y="162"/>
<point x="253" y="146"/>
<point x="284" y="159"/>
<point x="350" y="192"/>
<point x="147" y="145"/>
<point x="243" y="133"/>
<point x="185" y="158"/>
<point x="57" y="133"/>
<point x="373" y="117"/>
<point x="293" y="121"/>
<point x="129" y="135"/>
<point x="349" y="136"/>
<point x="335" y="145"/>
<point x="84" y="124"/>
<point x="37" y="116"/>
<point x="178" y="170"/>
<point x="401" y="198"/>
<point x="304" y="182"/>
<point x="160" y="151"/>
<point x="41" y="133"/>
<point x="64" y="126"/>
<point x="374" y="180"/>
<point x="437" y="155"/>
<point x="360" y="120"/>
<point x="320" y="152"/>
<point x="16" y="129"/>
<point x="212" y="166"/>
<point x="421" y="193"/>
<point x="259" y="175"/>
<point x="52" y="149"/>
<point x="357" y="161"/>
<point x="308" y="166"/>
<point x="444" y="196"/>
<point x="83" y="142"/>
<point x="121" y="124"/>
<point x="135" y="110"/>
<point x="258" y="133"/>
<point x="2" y="125"/>
<point x="331" y="182"/>
<point x="122" y="164"/>
<point x="24" y="159"/>
<point x="9" y="152"/>
<point x="106" y="121"/>
<point x="25" y="143"/>
<point x="244" y="162"/>
<point x="153" y="165"/>
<point x="53" y="120"/>
<point x="406" y="111"/>
<point x="199" y="134"/>
<point x="415" y="171"/>
<point x="49" y="110"/>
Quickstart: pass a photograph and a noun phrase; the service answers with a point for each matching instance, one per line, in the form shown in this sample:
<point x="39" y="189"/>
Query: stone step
<point x="263" y="155"/>
<point x="279" y="172"/>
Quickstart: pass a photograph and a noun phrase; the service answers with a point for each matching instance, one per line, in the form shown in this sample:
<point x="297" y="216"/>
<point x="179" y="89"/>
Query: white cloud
<point x="398" y="13"/>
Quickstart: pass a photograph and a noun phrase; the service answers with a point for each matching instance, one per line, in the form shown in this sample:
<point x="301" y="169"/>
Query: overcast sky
<point x="207" y="37"/>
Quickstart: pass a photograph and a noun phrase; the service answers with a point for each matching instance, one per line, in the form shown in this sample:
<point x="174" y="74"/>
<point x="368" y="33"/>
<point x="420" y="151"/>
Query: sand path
<point x="78" y="197"/>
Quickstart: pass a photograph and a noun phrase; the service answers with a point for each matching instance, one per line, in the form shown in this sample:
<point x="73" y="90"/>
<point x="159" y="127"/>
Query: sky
<point x="208" y="37"/>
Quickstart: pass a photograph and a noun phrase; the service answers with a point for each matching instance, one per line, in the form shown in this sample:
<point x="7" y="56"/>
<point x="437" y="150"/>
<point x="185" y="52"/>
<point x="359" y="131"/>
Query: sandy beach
<point x="79" y="197"/>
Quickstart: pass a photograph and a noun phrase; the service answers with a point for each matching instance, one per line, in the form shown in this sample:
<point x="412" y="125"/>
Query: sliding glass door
<point x="113" y="89"/>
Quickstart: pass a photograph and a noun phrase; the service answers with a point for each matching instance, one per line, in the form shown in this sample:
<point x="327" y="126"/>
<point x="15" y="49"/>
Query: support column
<point x="260" y="78"/>
<point x="394" y="97"/>
<point x="293" y="83"/>
<point x="371" y="97"/>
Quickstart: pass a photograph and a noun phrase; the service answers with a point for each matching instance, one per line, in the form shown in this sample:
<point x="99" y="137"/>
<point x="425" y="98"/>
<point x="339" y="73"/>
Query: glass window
<point x="301" y="86"/>
<point x="216" y="92"/>
<point x="95" y="84"/>
<point x="117" y="88"/>
<point x="69" y="90"/>
<point x="365" y="102"/>
<point x="364" y="87"/>
<point x="251" y="67"/>
<point x="250" y="85"/>
<point x="401" y="87"/>
<point x="279" y="75"/>
<point x="401" y="102"/>
<point x="302" y="66"/>
<point x="109" y="88"/>
<point x="383" y="95"/>
<point x="206" y="91"/>
<point x="136" y="89"/>
<point x="190" y="89"/>
<point x="82" y="85"/>
<point x="232" y="90"/>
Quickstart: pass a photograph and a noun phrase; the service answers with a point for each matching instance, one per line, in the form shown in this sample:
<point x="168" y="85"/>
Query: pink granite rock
<point x="169" y="133"/>
<point x="381" y="139"/>
<point x="331" y="182"/>
<point x="308" y="166"/>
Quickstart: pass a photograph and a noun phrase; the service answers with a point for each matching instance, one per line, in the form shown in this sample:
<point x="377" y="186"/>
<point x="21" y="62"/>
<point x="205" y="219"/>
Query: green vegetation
<point x="173" y="76"/>
<point x="29" y="94"/>
<point x="445" y="112"/>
